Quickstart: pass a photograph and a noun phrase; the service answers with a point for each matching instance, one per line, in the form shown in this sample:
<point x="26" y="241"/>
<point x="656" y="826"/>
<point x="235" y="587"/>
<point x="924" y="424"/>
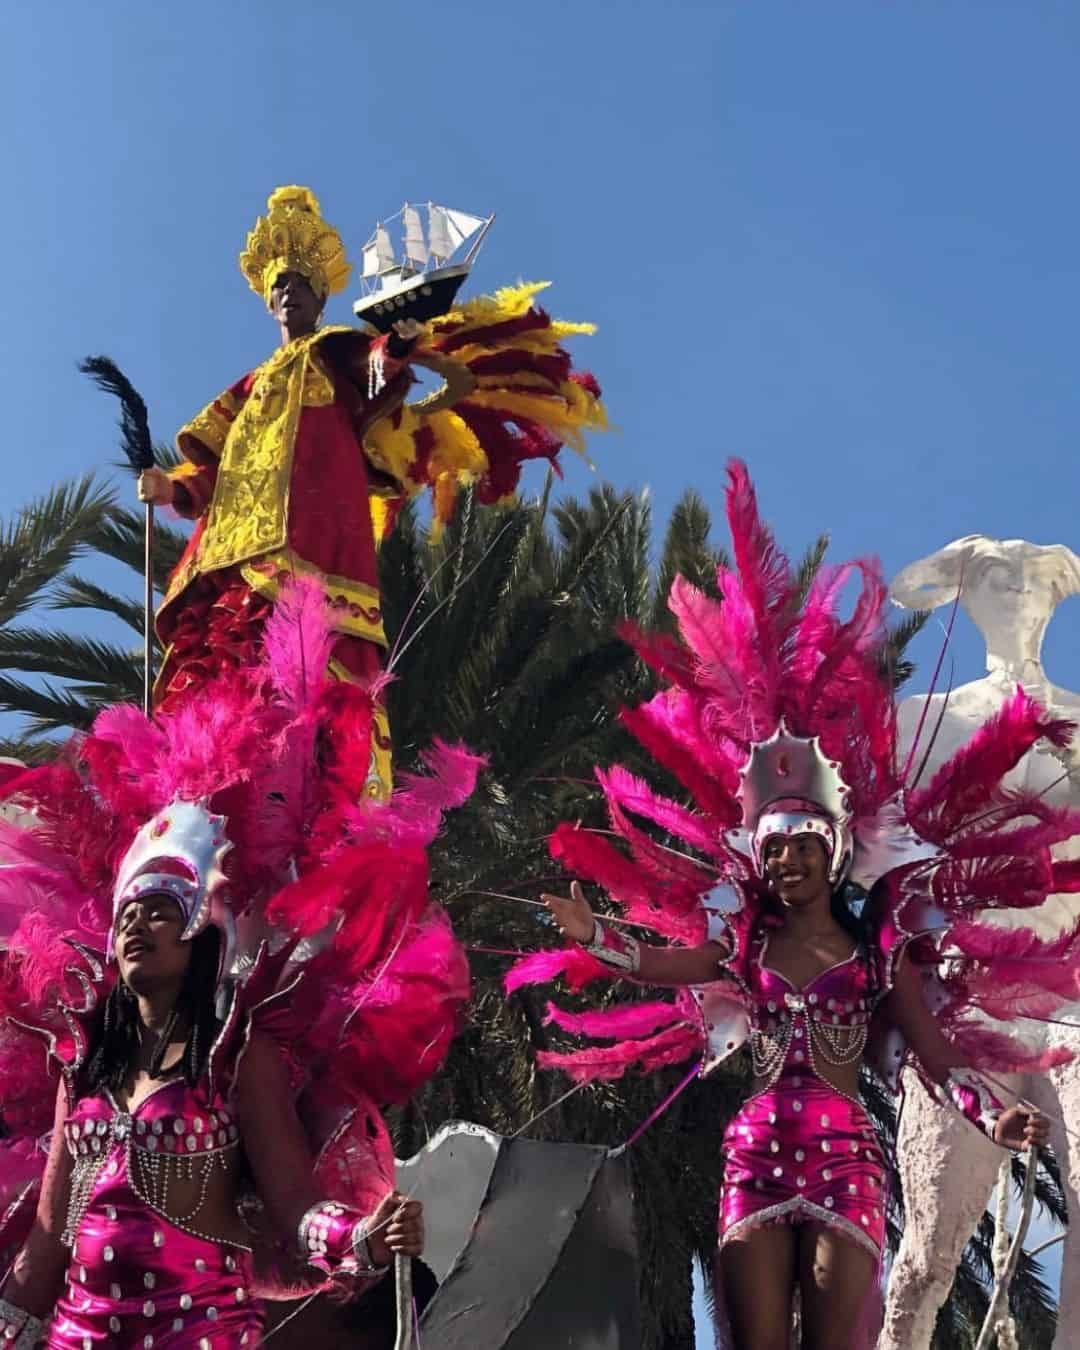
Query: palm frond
<point x="687" y="551"/>
<point x="31" y="752"/>
<point x="809" y="564"/>
<point x="894" y="665"/>
<point x="120" y="535"/>
<point x="1049" y="1187"/>
<point x="76" y="592"/>
<point x="44" y="538"/>
<point x="44" y="708"/>
<point x="94" y="664"/>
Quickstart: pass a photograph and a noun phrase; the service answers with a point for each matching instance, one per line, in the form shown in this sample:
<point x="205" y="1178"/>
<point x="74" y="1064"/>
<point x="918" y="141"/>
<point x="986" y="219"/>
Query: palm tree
<point x="505" y="636"/>
<point x="94" y="672"/>
<point x="36" y="547"/>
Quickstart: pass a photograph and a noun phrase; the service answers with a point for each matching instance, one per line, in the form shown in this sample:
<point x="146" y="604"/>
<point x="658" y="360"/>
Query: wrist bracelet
<point x="618" y="950"/>
<point x="362" y="1252"/>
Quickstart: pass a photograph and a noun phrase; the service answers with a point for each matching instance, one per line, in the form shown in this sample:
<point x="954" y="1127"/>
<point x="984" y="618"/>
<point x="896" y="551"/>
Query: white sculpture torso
<point x="1010" y="589"/>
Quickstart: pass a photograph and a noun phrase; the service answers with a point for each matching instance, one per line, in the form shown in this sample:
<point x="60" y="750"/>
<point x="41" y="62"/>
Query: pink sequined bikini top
<point x="842" y="995"/>
<point x="174" y="1119"/>
<point x="828" y="1019"/>
<point x="175" y="1136"/>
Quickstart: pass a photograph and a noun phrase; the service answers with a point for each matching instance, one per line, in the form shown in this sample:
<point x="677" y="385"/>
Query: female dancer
<point x="235" y="1004"/>
<point x="803" y="1198"/>
<point x="138" y="1238"/>
<point x="779" y="722"/>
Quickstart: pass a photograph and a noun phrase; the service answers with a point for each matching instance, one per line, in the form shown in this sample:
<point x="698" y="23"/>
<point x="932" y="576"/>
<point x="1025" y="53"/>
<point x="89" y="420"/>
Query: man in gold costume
<point x="298" y="467"/>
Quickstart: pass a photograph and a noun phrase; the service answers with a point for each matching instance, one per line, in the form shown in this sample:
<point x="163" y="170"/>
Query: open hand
<point x="1021" y="1127"/>
<point x="155" y="487"/>
<point x="574" y="917"/>
<point x="396" y="1229"/>
<point x="408" y="329"/>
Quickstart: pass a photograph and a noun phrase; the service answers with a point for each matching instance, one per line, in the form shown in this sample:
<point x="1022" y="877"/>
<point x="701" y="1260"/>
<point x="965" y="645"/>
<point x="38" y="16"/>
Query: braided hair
<point x="117" y="1034"/>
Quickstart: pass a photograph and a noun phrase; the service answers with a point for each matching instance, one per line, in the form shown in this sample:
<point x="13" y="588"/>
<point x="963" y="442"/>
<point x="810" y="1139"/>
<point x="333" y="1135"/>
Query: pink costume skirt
<point x="801" y="1152"/>
<point x="148" y="1285"/>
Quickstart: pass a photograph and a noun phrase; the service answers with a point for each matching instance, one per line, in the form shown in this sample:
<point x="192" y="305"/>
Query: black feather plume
<point x="134" y="422"/>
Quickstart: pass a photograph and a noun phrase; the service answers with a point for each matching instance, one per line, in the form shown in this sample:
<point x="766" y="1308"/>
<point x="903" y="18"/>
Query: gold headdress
<point x="293" y="237"/>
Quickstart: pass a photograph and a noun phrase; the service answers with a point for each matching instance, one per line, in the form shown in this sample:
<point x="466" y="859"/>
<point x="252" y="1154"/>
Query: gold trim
<point x="210" y="428"/>
<point x="355" y="607"/>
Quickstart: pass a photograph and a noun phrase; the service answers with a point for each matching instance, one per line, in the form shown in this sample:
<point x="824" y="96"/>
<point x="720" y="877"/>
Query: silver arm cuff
<point x="362" y="1252"/>
<point x="618" y="950"/>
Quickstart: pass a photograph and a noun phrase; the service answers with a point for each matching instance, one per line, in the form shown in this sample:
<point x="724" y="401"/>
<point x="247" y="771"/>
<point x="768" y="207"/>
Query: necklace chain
<point x="837" y="1045"/>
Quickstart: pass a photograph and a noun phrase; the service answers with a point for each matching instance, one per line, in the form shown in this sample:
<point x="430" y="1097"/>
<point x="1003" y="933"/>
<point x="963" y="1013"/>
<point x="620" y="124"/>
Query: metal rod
<point x="148" y="610"/>
<point x="404" y="1302"/>
<point x="999" y="1302"/>
<point x="1050" y="1242"/>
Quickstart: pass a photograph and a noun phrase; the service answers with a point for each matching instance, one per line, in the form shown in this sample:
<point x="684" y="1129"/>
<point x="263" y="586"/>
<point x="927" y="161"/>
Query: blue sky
<point x="838" y="239"/>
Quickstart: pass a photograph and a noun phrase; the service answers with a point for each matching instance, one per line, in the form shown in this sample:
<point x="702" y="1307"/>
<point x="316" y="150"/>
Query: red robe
<point x="335" y="506"/>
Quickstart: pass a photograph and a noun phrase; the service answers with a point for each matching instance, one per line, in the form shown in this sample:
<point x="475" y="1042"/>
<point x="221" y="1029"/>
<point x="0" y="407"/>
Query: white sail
<point x="461" y="225"/>
<point x="415" y="245"/>
<point x="384" y="249"/>
<point x="371" y="260"/>
<point x="440" y="240"/>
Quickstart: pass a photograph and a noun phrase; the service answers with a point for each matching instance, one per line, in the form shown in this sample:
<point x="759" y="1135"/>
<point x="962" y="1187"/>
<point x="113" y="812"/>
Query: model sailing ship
<point x="424" y="281"/>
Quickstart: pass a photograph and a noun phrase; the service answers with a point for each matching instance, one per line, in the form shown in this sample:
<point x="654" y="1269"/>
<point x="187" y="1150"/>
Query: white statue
<point x="1010" y="589"/>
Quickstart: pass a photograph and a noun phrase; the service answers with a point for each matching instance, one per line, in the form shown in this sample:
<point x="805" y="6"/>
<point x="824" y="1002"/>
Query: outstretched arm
<point x="946" y="1077"/>
<point x="331" y="1235"/>
<point x="37" y="1275"/>
<point x="650" y="965"/>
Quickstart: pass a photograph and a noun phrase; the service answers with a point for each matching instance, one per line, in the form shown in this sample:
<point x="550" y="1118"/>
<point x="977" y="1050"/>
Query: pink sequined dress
<point x="800" y="1150"/>
<point x="143" y="1273"/>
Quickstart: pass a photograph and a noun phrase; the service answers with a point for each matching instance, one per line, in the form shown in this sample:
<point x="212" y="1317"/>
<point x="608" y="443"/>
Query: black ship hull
<point x="424" y="296"/>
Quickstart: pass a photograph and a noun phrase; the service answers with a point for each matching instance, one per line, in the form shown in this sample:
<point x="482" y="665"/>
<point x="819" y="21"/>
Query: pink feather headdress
<point x="766" y="688"/>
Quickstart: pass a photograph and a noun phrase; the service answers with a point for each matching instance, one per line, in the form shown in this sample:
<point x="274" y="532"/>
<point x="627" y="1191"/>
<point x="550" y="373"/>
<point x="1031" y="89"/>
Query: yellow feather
<point x="560" y="415"/>
<point x="526" y="377"/>
<point x="392" y="449"/>
<point x="510" y="302"/>
<point x="456" y="449"/>
<point x="380" y="515"/>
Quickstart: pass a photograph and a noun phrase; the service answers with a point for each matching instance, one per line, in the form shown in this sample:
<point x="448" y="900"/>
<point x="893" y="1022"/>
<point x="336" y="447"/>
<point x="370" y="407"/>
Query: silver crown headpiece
<point x="789" y="786"/>
<point x="179" y="853"/>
